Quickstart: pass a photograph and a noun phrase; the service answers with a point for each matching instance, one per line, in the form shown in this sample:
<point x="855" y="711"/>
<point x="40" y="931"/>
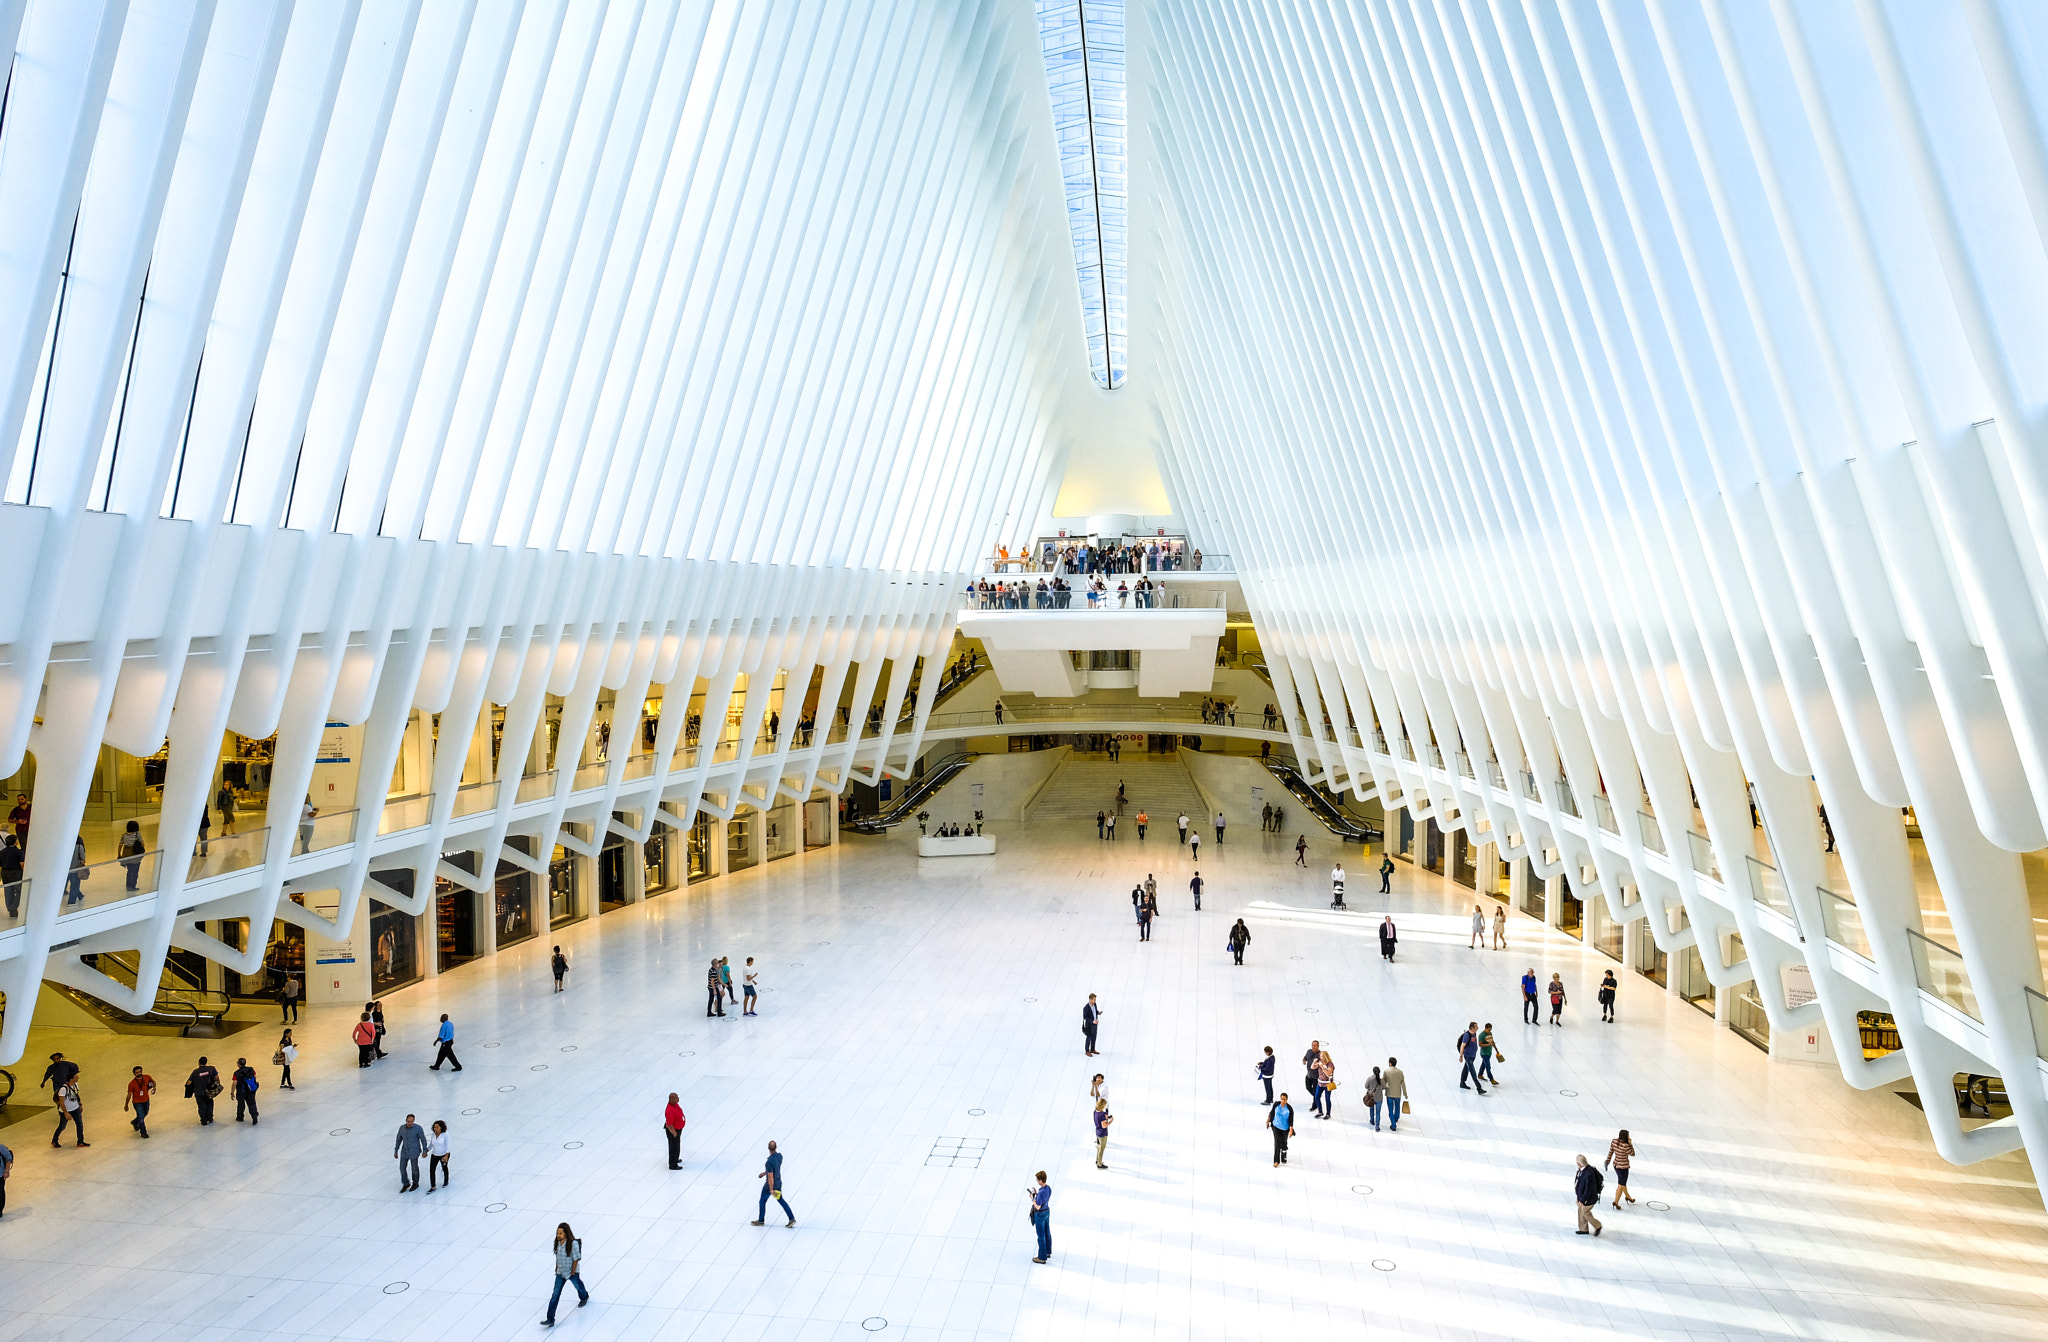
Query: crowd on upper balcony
<point x="1056" y="593"/>
<point x="1088" y="556"/>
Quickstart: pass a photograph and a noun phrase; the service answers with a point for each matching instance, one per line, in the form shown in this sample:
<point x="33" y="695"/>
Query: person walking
<point x="1337" y="886"/>
<point x="1195" y="886"/>
<point x="244" y="1077"/>
<point x="672" y="1122"/>
<point x="1144" y="819"/>
<point x="1112" y="829"/>
<point x="1389" y="936"/>
<point x="1091" y="1020"/>
<point x="1264" y="1071"/>
<point x="1478" y="928"/>
<point x="130" y="850"/>
<point x="1468" y="1049"/>
<point x="437" y="1156"/>
<point x="568" y="1270"/>
<point x="1195" y="847"/>
<point x="1500" y="929"/>
<point x="203" y="1087"/>
<point x="1183" y="823"/>
<point x="71" y="1110"/>
<point x="1396" y="1082"/>
<point x="725" y="978"/>
<point x="751" y="986"/>
<point x="1326" y="1085"/>
<point x="11" y="859"/>
<point x="1308" y="1067"/>
<point x="57" y="1073"/>
<point x="559" y="963"/>
<point x="1586" y="1192"/>
<point x="1301" y="850"/>
<point x="1608" y="987"/>
<point x="6" y="1169"/>
<point x="1530" y="1014"/>
<point x="771" y="1187"/>
<point x="1152" y="893"/>
<point x="376" y="1010"/>
<point x="141" y="1086"/>
<point x="1041" y="1217"/>
<point x="288" y="998"/>
<point x="1103" y="1119"/>
<point x="1219" y="827"/>
<point x="446" y="1052"/>
<point x="1280" y="1120"/>
<point x="1488" y="1051"/>
<point x="1620" y="1152"/>
<point x="1137" y="903"/>
<point x="224" y="802"/>
<point x="287" y="1054"/>
<point x="406" y="1149"/>
<point x="365" y="1035"/>
<point x="1386" y="874"/>
<point x="1556" y="999"/>
<point x="205" y="830"/>
<point x="1145" y="918"/>
<point x="1375" y="1092"/>
<point x="75" y="878"/>
<point x="714" y="1003"/>
<point x="1240" y="937"/>
<point x="308" y="813"/>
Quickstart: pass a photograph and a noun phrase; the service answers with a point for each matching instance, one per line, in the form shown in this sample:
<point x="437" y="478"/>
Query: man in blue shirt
<point x="1468" y="1049"/>
<point x="1281" y="1121"/>
<point x="771" y="1187"/>
<point x="1529" y="997"/>
<point x="447" y="1038"/>
<point x="1041" y="1217"/>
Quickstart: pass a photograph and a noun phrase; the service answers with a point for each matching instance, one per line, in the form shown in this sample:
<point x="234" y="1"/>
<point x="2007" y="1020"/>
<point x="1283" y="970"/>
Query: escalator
<point x="935" y="777"/>
<point x="182" y="1007"/>
<point x="1328" y="812"/>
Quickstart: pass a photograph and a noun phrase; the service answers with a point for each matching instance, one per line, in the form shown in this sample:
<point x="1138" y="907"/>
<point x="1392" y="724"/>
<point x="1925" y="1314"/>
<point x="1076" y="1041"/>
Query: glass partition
<point x="236" y="852"/>
<point x="1768" y="888"/>
<point x="401" y="813"/>
<point x="13" y="904"/>
<point x="1653" y="837"/>
<point x="331" y="829"/>
<point x="90" y="887"/>
<point x="1703" y="861"/>
<point x="589" y="776"/>
<point x="1603" y="814"/>
<point x="1843" y="922"/>
<point x="474" y="797"/>
<point x="1566" y="801"/>
<point x="639" y="766"/>
<point x="2037" y="1011"/>
<point x="536" y="787"/>
<point x="1941" y="972"/>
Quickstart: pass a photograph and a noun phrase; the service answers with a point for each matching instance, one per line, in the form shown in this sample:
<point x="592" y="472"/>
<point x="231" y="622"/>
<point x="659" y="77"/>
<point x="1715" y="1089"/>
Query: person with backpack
<point x="1386" y="874"/>
<point x="1586" y="1191"/>
<point x="244" y="1077"/>
<point x="202" y="1087"/>
<point x="1468" y="1049"/>
<point x="568" y="1270"/>
<point x="560" y="964"/>
<point x="130" y="850"/>
<point x="1375" y="1091"/>
<point x="70" y="1110"/>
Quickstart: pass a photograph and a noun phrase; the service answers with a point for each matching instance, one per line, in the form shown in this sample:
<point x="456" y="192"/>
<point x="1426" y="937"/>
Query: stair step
<point x="1080" y="788"/>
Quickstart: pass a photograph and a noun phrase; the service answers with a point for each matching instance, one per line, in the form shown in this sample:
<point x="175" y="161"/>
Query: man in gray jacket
<point x="407" y="1150"/>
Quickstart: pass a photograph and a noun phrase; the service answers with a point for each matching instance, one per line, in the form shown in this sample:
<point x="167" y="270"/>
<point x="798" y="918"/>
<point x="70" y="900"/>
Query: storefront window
<point x="1463" y="870"/>
<point x="611" y="873"/>
<point x="1692" y="980"/>
<point x="1602" y="932"/>
<point x="658" y="861"/>
<point x="514" y="905"/>
<point x="1879" y="1031"/>
<point x="394" y="949"/>
<point x="1746" y="1017"/>
<point x="699" y="866"/>
<point x="1650" y="961"/>
<point x="1571" y="910"/>
<point x="564" y="904"/>
<point x="1532" y="890"/>
<point x="782" y="837"/>
<point x="739" y="839"/>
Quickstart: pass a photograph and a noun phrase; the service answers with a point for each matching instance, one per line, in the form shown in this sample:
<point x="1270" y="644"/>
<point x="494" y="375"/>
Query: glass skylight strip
<point x="1083" y="42"/>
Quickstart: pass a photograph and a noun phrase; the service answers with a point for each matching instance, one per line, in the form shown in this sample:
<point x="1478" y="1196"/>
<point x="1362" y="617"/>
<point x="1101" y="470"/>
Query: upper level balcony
<point x="1032" y="629"/>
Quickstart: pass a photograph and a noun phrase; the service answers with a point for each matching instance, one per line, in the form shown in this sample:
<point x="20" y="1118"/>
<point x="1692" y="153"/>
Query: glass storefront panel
<point x="1532" y="890"/>
<point x="1746" y="1017"/>
<point x="611" y="873"/>
<point x="699" y="864"/>
<point x="564" y="899"/>
<point x="455" y="930"/>
<point x="1692" y="980"/>
<point x="1879" y="1031"/>
<point x="1602" y="932"/>
<point x="783" y="837"/>
<point x="1650" y="962"/>
<point x="1571" y="910"/>
<point x="739" y="839"/>
<point x="394" y="948"/>
<point x="1433" y="847"/>
<point x="1407" y="848"/>
<point x="658" y="861"/>
<point x="1463" y="870"/>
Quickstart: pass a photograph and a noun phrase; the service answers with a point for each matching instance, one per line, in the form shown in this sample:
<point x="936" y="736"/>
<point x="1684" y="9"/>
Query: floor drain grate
<point x="398" y="1288"/>
<point x="337" y="1132"/>
<point x="1658" y="1206"/>
<point x="1383" y="1264"/>
<point x="874" y="1323"/>
<point x="1569" y="1094"/>
<point x="471" y="1113"/>
<point x="957" y="1153"/>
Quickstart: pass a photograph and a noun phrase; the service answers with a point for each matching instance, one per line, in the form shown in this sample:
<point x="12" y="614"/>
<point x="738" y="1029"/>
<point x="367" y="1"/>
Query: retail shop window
<point x="1651" y="962"/>
<point x="394" y="944"/>
<point x="1603" y="933"/>
<point x="1879" y="1033"/>
<point x="739" y="839"/>
<point x="783" y="837"/>
<point x="456" y="939"/>
<point x="659" y="867"/>
<point x="1532" y="889"/>
<point x="1746" y="1016"/>
<point x="514" y="897"/>
<point x="565" y="895"/>
<point x="1693" y="985"/>
<point x="613" y="861"/>
<point x="1571" y="910"/>
<point x="1463" y="869"/>
<point x="699" y="866"/>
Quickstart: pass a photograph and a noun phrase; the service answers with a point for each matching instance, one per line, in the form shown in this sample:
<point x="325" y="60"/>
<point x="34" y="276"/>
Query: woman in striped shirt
<point x="1619" y="1152"/>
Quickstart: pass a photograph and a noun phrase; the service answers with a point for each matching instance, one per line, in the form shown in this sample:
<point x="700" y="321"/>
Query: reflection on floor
<point x="914" y="1010"/>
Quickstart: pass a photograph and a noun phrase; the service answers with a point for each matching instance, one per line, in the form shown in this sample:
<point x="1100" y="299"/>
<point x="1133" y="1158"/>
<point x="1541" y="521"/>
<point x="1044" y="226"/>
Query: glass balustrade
<point x="1603" y="814"/>
<point x="1702" y="852"/>
<point x="2037" y="1012"/>
<point x="1566" y="800"/>
<point x="103" y="883"/>
<point x="1496" y="775"/>
<point x="232" y="852"/>
<point x="1941" y="972"/>
<point x="403" y="813"/>
<point x="1079" y="598"/>
<point x="331" y="829"/>
<point x="1767" y="887"/>
<point x="1843" y="923"/>
<point x="1529" y="791"/>
<point x="589" y="776"/>
<point x="1653" y="837"/>
<point x="536" y="787"/>
<point x="639" y="766"/>
<point x="474" y="797"/>
<point x="13" y="903"/>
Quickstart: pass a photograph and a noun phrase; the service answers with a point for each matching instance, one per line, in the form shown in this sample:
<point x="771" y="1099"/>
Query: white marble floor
<point x="914" y="1007"/>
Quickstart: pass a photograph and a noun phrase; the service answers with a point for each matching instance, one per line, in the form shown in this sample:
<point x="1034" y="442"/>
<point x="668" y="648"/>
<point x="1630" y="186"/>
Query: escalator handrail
<point x="934" y="778"/>
<point x="1333" y="817"/>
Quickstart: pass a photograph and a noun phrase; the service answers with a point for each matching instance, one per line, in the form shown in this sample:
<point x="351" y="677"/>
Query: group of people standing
<point x="718" y="986"/>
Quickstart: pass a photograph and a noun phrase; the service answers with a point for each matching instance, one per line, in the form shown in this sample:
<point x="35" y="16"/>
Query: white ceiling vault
<point x="1619" y="411"/>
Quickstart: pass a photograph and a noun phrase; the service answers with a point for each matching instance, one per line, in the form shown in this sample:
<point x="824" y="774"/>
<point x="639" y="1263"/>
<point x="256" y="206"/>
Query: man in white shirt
<point x="1337" y="886"/>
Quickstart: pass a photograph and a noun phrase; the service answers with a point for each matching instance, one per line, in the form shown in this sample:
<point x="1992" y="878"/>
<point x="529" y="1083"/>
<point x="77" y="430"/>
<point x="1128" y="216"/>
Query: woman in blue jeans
<point x="568" y="1268"/>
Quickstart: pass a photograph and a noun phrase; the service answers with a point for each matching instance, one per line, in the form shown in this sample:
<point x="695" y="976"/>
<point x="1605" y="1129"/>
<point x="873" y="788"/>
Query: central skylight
<point x="1084" y="63"/>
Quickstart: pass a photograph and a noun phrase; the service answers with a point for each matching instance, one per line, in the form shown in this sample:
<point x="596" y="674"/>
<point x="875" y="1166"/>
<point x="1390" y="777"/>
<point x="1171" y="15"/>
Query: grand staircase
<point x="1082" y="786"/>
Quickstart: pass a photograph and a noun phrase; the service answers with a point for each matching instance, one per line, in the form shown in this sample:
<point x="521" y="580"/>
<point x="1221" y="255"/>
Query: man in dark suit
<point x="1091" y="1018"/>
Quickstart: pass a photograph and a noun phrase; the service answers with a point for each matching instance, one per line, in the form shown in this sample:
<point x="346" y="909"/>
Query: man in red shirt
<point x="672" y="1124"/>
<point x="140" y="1087"/>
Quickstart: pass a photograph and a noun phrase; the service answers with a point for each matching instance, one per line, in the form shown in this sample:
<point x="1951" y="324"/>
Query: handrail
<point x="935" y="777"/>
<point x="1332" y="816"/>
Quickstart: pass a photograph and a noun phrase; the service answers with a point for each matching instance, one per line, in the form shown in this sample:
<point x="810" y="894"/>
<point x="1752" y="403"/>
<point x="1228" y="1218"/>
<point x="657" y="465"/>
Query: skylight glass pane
<point x="1084" y="63"/>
